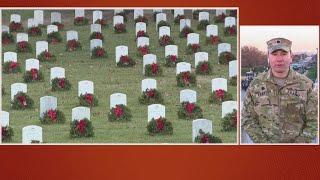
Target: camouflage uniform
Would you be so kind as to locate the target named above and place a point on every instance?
(275, 114)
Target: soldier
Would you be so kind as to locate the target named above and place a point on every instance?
(280, 106)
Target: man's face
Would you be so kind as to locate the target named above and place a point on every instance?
(280, 61)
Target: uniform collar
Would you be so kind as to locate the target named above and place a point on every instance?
(289, 79)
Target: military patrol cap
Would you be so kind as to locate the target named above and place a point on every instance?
(279, 44)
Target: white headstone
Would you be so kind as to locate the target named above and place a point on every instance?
(156, 111)
(229, 21)
(95, 28)
(184, 23)
(95, 43)
(157, 10)
(52, 28)
(220, 12)
(193, 38)
(57, 72)
(118, 99)
(96, 15)
(200, 57)
(177, 12)
(233, 68)
(55, 17)
(32, 64)
(32, 23)
(141, 26)
(31, 133)
(5, 28)
(47, 103)
(38, 16)
(171, 50)
(18, 87)
(183, 67)
(188, 95)
(10, 57)
(142, 41)
(79, 113)
(4, 119)
(117, 20)
(148, 84)
(164, 30)
(148, 59)
(72, 35)
(41, 46)
(161, 17)
(203, 124)
(228, 107)
(121, 51)
(211, 30)
(219, 83)
(78, 13)
(137, 13)
(203, 16)
(15, 18)
(224, 47)
(85, 87)
(22, 37)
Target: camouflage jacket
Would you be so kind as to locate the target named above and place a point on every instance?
(274, 114)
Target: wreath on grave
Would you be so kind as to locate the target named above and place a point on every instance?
(165, 40)
(126, 61)
(81, 128)
(206, 138)
(178, 18)
(46, 56)
(98, 52)
(230, 31)
(123, 14)
(220, 18)
(153, 69)
(186, 79)
(141, 19)
(96, 35)
(204, 68)
(233, 81)
(213, 40)
(73, 45)
(185, 31)
(60, 25)
(80, 21)
(159, 126)
(34, 31)
(162, 23)
(219, 96)
(34, 75)
(172, 60)
(54, 37)
(11, 67)
(15, 27)
(120, 113)
(23, 47)
(229, 121)
(226, 57)
(203, 24)
(151, 96)
(141, 34)
(7, 38)
(193, 48)
(22, 101)
(189, 110)
(53, 116)
(60, 84)
(120, 28)
(7, 133)
(88, 100)
(102, 22)
(143, 50)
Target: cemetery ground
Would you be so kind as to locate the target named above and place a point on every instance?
(109, 79)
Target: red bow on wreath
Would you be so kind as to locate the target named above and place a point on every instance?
(160, 124)
(186, 78)
(34, 74)
(150, 93)
(219, 94)
(125, 59)
(22, 101)
(204, 138)
(189, 107)
(143, 50)
(52, 114)
(89, 98)
(22, 45)
(13, 65)
(173, 58)
(118, 111)
(154, 68)
(214, 39)
(204, 67)
(47, 55)
(61, 82)
(81, 126)
(100, 52)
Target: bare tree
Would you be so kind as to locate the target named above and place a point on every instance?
(252, 57)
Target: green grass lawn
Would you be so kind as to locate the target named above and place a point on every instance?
(109, 79)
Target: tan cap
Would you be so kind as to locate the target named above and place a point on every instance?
(279, 44)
